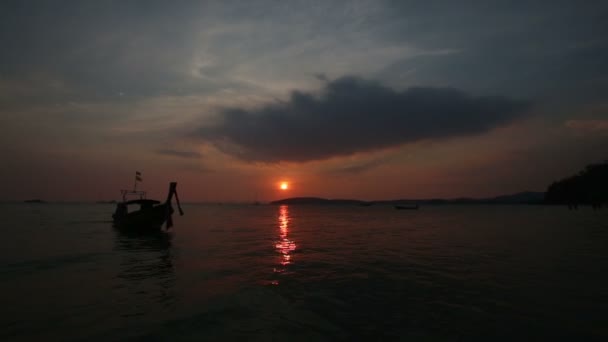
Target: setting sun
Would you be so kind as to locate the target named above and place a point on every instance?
(284, 186)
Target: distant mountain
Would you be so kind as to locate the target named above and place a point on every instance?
(39, 201)
(315, 200)
(527, 197)
(106, 202)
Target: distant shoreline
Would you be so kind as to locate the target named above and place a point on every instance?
(527, 197)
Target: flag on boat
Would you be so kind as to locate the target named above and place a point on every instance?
(138, 176)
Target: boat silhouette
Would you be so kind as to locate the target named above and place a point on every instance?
(150, 216)
(407, 207)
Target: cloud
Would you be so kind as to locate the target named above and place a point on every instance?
(180, 154)
(357, 168)
(588, 126)
(355, 115)
(359, 164)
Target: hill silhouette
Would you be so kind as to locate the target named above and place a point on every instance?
(527, 197)
(588, 187)
(315, 200)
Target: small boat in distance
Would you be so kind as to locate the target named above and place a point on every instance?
(151, 215)
(407, 207)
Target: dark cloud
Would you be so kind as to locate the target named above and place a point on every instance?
(180, 154)
(355, 115)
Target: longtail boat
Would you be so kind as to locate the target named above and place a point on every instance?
(151, 215)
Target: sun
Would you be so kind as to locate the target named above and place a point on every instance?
(284, 186)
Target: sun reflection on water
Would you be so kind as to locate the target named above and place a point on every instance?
(284, 245)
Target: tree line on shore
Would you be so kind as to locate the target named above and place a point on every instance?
(588, 187)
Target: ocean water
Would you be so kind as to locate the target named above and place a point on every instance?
(304, 273)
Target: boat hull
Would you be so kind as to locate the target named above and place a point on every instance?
(145, 219)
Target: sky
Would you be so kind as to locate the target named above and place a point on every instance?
(342, 99)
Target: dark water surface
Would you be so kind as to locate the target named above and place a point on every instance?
(263, 273)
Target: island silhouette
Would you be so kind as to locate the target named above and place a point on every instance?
(526, 197)
(588, 187)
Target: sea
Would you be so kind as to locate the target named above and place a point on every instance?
(306, 273)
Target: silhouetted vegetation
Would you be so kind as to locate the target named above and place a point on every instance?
(588, 187)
